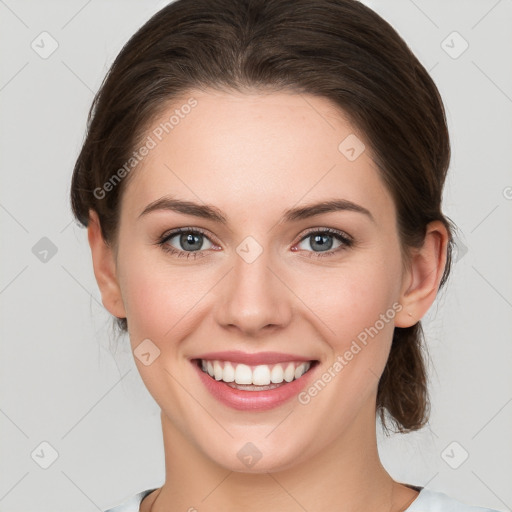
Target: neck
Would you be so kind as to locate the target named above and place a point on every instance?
(346, 475)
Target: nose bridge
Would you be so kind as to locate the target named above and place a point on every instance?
(253, 297)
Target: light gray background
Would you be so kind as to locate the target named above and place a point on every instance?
(60, 382)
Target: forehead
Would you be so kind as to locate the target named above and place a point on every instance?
(244, 152)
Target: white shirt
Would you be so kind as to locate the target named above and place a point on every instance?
(426, 501)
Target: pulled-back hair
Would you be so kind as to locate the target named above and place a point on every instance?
(337, 49)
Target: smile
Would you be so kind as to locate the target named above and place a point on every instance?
(253, 376)
(246, 386)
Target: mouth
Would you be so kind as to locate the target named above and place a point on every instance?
(254, 387)
(254, 377)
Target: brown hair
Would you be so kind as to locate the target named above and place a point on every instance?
(337, 49)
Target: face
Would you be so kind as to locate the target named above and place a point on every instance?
(260, 276)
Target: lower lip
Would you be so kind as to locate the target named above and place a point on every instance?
(253, 400)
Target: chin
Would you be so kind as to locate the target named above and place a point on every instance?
(261, 455)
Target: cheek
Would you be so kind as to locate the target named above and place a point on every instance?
(356, 307)
(156, 299)
(349, 300)
(159, 303)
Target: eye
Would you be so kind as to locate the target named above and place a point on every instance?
(321, 241)
(190, 242)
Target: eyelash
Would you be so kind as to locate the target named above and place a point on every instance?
(339, 235)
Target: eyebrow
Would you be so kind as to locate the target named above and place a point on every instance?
(212, 213)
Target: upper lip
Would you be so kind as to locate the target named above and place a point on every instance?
(253, 359)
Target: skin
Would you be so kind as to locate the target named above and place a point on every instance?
(253, 155)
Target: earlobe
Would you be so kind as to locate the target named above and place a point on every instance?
(424, 275)
(104, 268)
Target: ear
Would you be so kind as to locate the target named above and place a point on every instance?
(103, 260)
(422, 278)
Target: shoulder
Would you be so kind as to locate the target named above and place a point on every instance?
(435, 501)
(131, 504)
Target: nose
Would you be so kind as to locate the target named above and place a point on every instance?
(254, 297)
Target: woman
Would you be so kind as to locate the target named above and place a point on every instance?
(261, 182)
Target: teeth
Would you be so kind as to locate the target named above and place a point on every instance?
(289, 373)
(300, 371)
(277, 374)
(217, 370)
(261, 375)
(243, 374)
(228, 373)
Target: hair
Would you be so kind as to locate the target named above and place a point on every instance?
(336, 49)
